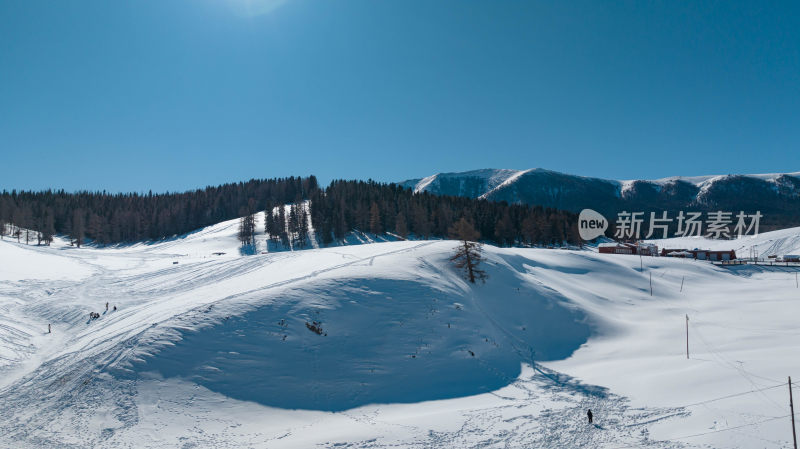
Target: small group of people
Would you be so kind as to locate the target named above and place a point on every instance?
(95, 315)
(92, 316)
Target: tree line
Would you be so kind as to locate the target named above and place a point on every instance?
(342, 207)
(379, 208)
(107, 218)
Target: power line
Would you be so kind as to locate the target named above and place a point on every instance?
(722, 359)
(758, 390)
(775, 418)
(707, 401)
(731, 428)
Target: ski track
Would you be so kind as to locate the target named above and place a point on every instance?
(518, 424)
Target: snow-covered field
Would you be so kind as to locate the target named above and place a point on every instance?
(215, 351)
(775, 243)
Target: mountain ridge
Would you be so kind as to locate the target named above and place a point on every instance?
(423, 184)
(775, 194)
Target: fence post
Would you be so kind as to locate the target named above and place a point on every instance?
(791, 410)
(687, 337)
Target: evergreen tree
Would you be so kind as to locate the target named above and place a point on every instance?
(3, 217)
(77, 231)
(504, 230)
(375, 226)
(530, 230)
(97, 229)
(302, 225)
(282, 226)
(48, 228)
(270, 226)
(340, 223)
(247, 228)
(293, 224)
(27, 222)
(422, 225)
(400, 227)
(18, 220)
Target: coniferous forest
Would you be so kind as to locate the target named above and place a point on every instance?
(342, 207)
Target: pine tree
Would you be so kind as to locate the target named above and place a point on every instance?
(468, 255)
(39, 235)
(530, 230)
(96, 228)
(375, 226)
(27, 222)
(293, 224)
(242, 235)
(3, 216)
(302, 225)
(247, 230)
(18, 221)
(269, 224)
(282, 226)
(48, 228)
(504, 230)
(77, 233)
(422, 225)
(400, 226)
(340, 222)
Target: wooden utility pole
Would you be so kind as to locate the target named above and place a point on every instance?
(687, 338)
(791, 410)
(651, 283)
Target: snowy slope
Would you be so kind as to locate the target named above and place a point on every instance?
(472, 184)
(773, 243)
(215, 351)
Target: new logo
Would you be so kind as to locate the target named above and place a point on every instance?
(591, 224)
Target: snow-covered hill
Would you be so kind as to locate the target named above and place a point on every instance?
(385, 345)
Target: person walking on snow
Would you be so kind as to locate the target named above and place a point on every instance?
(106, 307)
(48, 328)
(589, 415)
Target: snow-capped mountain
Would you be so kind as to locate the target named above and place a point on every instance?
(775, 194)
(472, 184)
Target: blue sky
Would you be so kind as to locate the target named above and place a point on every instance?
(173, 95)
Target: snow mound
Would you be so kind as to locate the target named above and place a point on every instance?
(388, 334)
